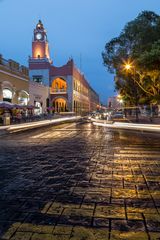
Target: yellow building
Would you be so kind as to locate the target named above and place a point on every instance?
(14, 82)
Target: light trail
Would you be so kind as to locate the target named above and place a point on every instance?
(130, 126)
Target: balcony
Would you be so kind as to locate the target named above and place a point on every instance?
(58, 90)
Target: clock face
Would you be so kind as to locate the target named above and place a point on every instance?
(38, 36)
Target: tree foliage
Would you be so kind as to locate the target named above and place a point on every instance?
(139, 44)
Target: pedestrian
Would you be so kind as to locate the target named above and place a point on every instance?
(19, 117)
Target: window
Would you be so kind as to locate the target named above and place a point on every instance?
(7, 95)
(37, 79)
(23, 98)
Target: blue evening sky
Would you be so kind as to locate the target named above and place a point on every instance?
(75, 28)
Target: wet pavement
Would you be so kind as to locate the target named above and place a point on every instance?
(79, 182)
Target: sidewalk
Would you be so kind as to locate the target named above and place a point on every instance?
(145, 120)
(33, 125)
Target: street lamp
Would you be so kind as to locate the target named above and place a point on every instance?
(129, 66)
(120, 100)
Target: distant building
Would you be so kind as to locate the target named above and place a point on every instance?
(114, 103)
(68, 88)
(14, 82)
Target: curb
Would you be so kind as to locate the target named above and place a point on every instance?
(35, 125)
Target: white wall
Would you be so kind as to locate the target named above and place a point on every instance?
(40, 72)
(38, 93)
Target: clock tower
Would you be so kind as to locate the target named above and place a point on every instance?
(40, 62)
(40, 47)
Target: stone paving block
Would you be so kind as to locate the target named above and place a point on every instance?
(75, 220)
(19, 216)
(134, 216)
(100, 222)
(144, 210)
(123, 193)
(11, 231)
(46, 207)
(128, 226)
(152, 217)
(42, 219)
(153, 226)
(78, 212)
(87, 206)
(22, 236)
(155, 194)
(154, 235)
(80, 233)
(28, 227)
(117, 201)
(110, 212)
(62, 230)
(37, 236)
(31, 206)
(117, 235)
(55, 208)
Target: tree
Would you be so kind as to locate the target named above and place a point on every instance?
(138, 44)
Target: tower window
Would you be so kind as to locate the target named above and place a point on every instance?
(37, 79)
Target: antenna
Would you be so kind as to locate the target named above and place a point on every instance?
(39, 17)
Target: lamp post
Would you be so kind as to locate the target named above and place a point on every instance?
(129, 66)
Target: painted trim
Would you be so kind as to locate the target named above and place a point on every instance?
(13, 75)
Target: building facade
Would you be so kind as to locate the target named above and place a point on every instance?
(68, 87)
(114, 102)
(38, 97)
(14, 82)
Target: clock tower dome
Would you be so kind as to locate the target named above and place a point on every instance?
(40, 46)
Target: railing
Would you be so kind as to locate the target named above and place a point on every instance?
(14, 66)
(58, 90)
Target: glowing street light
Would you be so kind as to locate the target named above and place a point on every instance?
(119, 98)
(121, 101)
(128, 66)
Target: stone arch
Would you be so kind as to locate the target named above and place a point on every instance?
(23, 97)
(59, 84)
(60, 104)
(8, 91)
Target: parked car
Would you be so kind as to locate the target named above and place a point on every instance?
(118, 115)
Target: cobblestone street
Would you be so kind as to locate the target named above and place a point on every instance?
(79, 182)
